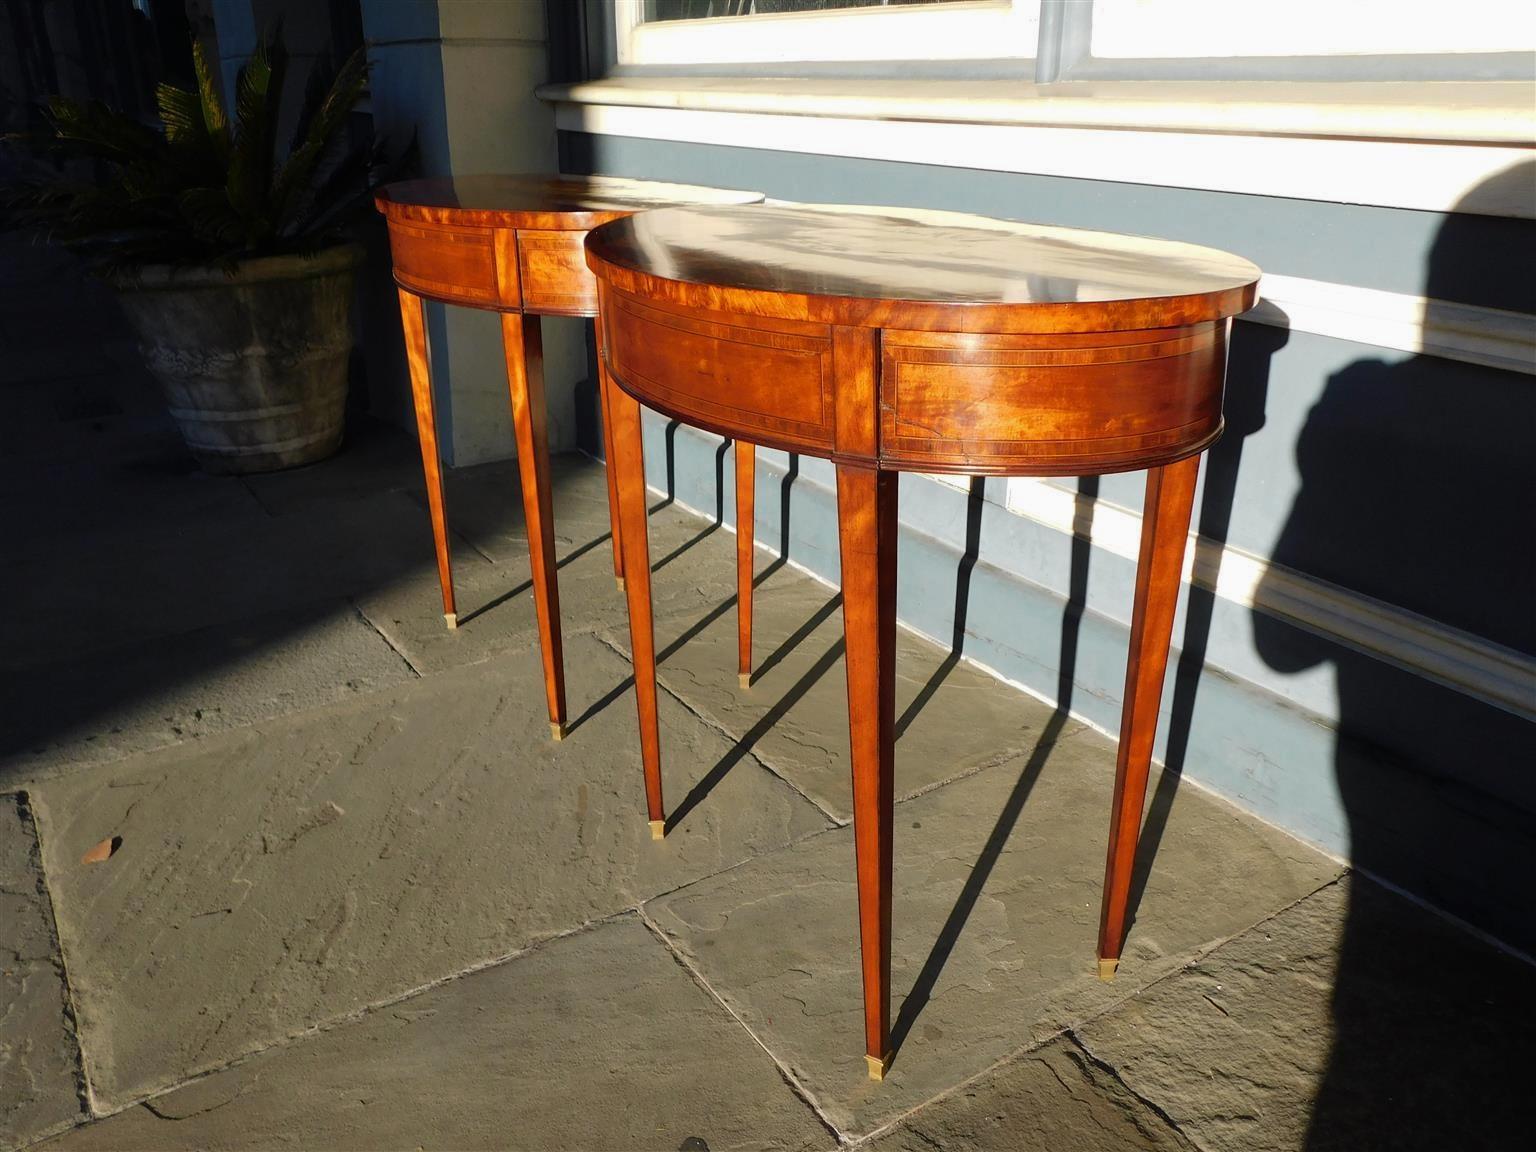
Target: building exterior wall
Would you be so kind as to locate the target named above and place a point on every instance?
(461, 76)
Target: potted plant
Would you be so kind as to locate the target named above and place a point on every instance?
(234, 266)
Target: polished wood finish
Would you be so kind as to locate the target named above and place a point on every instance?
(746, 510)
(775, 376)
(455, 265)
(605, 402)
(935, 272)
(549, 268)
(539, 202)
(413, 322)
(514, 245)
(866, 514)
(629, 463)
(1165, 520)
(1032, 404)
(889, 340)
(522, 339)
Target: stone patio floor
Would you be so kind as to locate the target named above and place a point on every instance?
(356, 898)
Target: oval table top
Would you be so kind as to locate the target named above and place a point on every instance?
(555, 203)
(939, 271)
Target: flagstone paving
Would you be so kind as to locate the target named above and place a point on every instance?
(285, 874)
(995, 917)
(1352, 1020)
(556, 1050)
(39, 1062)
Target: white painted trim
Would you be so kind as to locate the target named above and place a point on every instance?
(1474, 335)
(1429, 176)
(627, 16)
(982, 29)
(1461, 111)
(1469, 664)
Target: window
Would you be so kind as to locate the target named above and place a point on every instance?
(1206, 28)
(1092, 39)
(683, 32)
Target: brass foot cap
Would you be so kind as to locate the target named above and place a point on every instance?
(878, 1065)
(658, 829)
(1107, 968)
(744, 679)
(619, 580)
(557, 729)
(451, 619)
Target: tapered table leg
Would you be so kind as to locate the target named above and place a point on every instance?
(413, 321)
(866, 514)
(629, 461)
(746, 470)
(605, 387)
(1164, 530)
(524, 348)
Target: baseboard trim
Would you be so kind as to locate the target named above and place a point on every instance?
(1459, 660)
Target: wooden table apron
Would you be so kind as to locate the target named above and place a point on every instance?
(526, 261)
(881, 386)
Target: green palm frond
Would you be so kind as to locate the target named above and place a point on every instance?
(211, 217)
(321, 128)
(88, 128)
(182, 115)
(214, 120)
(258, 89)
(202, 187)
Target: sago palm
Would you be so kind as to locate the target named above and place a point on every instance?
(198, 188)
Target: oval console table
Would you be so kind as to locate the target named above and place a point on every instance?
(888, 341)
(513, 245)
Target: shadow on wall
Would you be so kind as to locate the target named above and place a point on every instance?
(1417, 481)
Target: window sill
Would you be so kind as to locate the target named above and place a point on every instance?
(1467, 112)
(1447, 146)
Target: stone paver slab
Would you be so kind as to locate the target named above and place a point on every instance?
(951, 717)
(374, 458)
(556, 1049)
(39, 1062)
(185, 687)
(1054, 1099)
(485, 505)
(72, 492)
(1354, 1020)
(89, 593)
(995, 918)
(292, 871)
(495, 597)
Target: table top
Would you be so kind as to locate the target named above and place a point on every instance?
(545, 202)
(941, 270)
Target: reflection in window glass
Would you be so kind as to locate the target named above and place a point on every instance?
(704, 9)
(1194, 28)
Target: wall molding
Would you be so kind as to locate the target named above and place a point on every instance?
(1459, 660)
(1491, 337)
(1427, 175)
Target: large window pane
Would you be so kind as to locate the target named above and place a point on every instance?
(1205, 28)
(688, 32)
(656, 10)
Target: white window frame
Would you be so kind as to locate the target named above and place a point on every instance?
(1186, 29)
(978, 29)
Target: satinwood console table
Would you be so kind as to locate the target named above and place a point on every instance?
(889, 341)
(513, 245)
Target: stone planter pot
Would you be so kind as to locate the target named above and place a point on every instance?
(254, 364)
